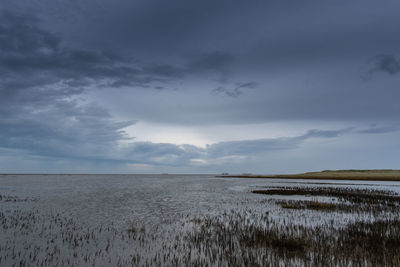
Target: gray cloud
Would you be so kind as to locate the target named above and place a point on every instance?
(63, 129)
(41, 92)
(237, 89)
(42, 110)
(386, 63)
(213, 61)
(374, 129)
(74, 74)
(90, 134)
(41, 58)
(326, 133)
(264, 145)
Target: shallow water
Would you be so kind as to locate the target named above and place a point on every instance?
(164, 204)
(151, 199)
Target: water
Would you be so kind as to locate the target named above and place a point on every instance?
(101, 199)
(151, 199)
(162, 204)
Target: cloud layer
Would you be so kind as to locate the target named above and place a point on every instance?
(76, 75)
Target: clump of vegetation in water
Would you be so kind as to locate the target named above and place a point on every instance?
(352, 195)
(312, 205)
(7, 198)
(233, 240)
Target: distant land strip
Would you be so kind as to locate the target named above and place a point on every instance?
(372, 175)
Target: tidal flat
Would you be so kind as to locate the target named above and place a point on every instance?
(196, 220)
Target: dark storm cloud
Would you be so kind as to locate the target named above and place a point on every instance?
(274, 60)
(237, 89)
(277, 44)
(213, 61)
(40, 58)
(43, 58)
(274, 33)
(41, 82)
(386, 63)
(161, 27)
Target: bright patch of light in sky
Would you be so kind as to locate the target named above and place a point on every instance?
(202, 136)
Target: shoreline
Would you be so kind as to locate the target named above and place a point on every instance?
(394, 179)
(358, 175)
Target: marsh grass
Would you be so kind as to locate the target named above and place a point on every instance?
(351, 195)
(313, 205)
(347, 200)
(360, 243)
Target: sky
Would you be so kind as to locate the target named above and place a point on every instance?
(211, 86)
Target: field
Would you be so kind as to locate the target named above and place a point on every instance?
(372, 175)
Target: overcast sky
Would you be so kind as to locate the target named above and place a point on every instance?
(181, 86)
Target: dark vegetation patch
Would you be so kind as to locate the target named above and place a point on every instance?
(313, 205)
(351, 195)
(337, 207)
(362, 243)
(7, 198)
(349, 200)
